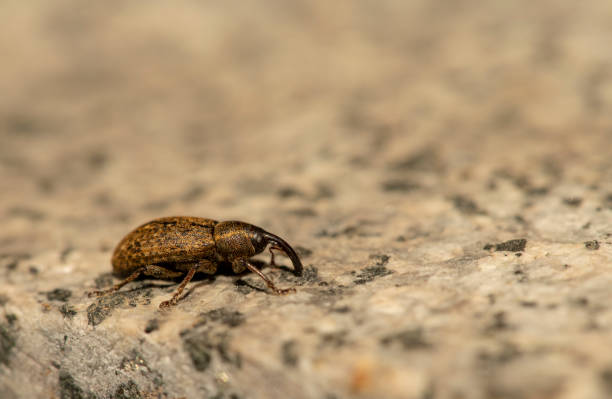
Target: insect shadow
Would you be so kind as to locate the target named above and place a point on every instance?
(203, 279)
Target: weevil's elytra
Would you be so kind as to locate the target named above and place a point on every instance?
(170, 247)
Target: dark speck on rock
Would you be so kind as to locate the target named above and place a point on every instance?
(27, 213)
(537, 191)
(286, 192)
(380, 259)
(426, 160)
(59, 294)
(407, 339)
(289, 353)
(360, 229)
(201, 343)
(323, 191)
(606, 379)
(335, 339)
(310, 274)
(521, 182)
(65, 253)
(67, 311)
(397, 185)
(192, 193)
(520, 219)
(7, 343)
(507, 353)
(12, 265)
(332, 291)
(592, 245)
(372, 272)
(573, 201)
(324, 233)
(199, 349)
(152, 325)
(69, 389)
(104, 306)
(225, 354)
(466, 205)
(223, 316)
(580, 301)
(517, 245)
(97, 159)
(45, 185)
(11, 318)
(499, 323)
(11, 261)
(303, 252)
(135, 362)
(128, 390)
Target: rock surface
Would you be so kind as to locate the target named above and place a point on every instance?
(444, 170)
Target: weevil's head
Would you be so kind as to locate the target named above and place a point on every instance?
(235, 240)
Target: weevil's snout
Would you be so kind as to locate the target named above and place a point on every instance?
(276, 240)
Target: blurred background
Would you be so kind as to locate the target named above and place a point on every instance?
(132, 105)
(312, 119)
(119, 109)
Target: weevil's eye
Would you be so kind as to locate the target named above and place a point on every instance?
(258, 241)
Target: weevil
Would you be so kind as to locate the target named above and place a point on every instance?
(170, 247)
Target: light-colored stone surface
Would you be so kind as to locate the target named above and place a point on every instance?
(389, 141)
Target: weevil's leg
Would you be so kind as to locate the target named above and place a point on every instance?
(161, 272)
(179, 290)
(272, 253)
(115, 287)
(150, 270)
(269, 283)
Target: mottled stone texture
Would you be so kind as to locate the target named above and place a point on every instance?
(444, 169)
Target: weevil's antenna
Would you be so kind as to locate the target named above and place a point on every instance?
(297, 264)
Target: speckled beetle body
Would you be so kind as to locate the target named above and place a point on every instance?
(169, 247)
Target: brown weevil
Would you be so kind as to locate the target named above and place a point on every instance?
(170, 247)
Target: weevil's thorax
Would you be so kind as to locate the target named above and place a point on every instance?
(235, 240)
